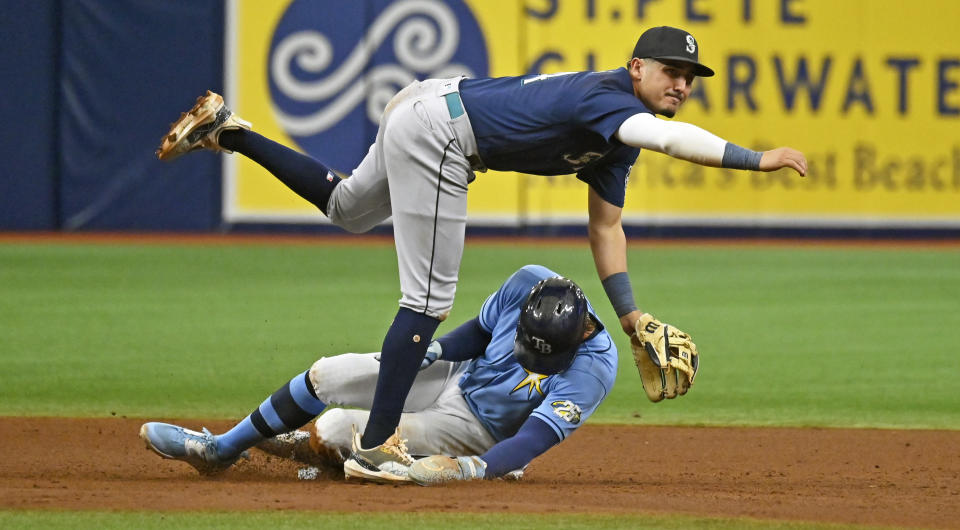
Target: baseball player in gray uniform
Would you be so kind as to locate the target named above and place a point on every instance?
(435, 134)
(503, 388)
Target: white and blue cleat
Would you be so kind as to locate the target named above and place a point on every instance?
(199, 449)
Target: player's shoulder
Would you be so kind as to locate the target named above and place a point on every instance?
(515, 289)
(527, 276)
(520, 282)
(616, 74)
(611, 89)
(598, 357)
(616, 79)
(591, 373)
(534, 272)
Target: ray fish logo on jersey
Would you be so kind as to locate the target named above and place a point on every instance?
(334, 65)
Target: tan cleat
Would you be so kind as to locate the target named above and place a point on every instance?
(200, 128)
(387, 463)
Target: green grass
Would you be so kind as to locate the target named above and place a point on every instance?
(419, 521)
(828, 337)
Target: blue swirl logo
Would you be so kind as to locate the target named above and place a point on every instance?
(334, 65)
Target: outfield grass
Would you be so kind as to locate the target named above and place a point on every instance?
(828, 337)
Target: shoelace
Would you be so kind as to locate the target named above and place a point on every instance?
(400, 449)
(201, 446)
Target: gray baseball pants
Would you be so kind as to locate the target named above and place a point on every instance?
(435, 420)
(417, 171)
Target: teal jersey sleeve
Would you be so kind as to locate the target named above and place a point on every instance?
(574, 395)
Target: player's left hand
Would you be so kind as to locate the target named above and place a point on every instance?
(439, 469)
(666, 358)
(782, 157)
(434, 351)
(629, 322)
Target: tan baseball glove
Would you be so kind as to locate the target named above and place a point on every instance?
(666, 358)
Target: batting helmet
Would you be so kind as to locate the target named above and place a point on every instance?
(551, 327)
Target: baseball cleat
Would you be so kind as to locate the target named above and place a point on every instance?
(387, 463)
(200, 128)
(516, 474)
(302, 446)
(199, 449)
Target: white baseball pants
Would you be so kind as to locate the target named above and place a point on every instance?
(418, 172)
(436, 419)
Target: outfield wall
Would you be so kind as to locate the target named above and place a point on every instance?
(869, 91)
(88, 89)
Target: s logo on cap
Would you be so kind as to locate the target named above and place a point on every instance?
(691, 44)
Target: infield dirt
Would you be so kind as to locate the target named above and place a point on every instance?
(887, 477)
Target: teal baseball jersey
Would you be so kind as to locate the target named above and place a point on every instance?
(502, 394)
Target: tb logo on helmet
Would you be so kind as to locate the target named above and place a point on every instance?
(551, 326)
(334, 65)
(541, 345)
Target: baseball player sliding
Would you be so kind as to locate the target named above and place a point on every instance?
(506, 386)
(434, 134)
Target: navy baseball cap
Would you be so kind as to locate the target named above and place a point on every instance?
(674, 44)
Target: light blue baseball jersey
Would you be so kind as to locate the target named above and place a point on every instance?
(556, 124)
(502, 395)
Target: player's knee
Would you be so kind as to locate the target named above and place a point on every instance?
(353, 227)
(339, 215)
(416, 303)
(334, 428)
(318, 376)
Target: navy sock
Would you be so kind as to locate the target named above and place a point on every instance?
(306, 176)
(292, 406)
(403, 350)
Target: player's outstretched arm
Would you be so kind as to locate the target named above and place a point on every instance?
(609, 246)
(689, 142)
(533, 439)
(467, 341)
